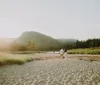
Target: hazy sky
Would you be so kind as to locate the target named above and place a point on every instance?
(79, 19)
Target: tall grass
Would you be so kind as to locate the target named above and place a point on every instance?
(84, 51)
(13, 59)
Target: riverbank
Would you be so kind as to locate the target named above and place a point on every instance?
(52, 72)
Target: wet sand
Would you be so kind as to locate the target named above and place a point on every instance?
(51, 72)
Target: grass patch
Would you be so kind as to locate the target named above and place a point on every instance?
(84, 51)
(13, 59)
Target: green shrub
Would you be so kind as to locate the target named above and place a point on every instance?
(13, 59)
(84, 51)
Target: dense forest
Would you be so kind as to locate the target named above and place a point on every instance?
(90, 43)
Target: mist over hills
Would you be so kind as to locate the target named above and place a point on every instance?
(66, 41)
(41, 41)
(5, 43)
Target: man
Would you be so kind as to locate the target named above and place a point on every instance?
(65, 50)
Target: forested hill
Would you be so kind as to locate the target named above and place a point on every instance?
(31, 40)
(40, 40)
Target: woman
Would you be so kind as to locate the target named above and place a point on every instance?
(62, 53)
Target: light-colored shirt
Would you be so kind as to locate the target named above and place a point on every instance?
(61, 51)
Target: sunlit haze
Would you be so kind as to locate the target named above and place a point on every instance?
(79, 19)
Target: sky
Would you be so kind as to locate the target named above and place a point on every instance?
(79, 19)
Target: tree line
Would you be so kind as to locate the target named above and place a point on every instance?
(90, 43)
(20, 47)
(31, 45)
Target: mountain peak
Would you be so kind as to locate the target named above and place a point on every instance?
(41, 41)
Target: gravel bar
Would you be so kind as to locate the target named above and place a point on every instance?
(51, 72)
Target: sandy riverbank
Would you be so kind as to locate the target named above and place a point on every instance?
(52, 72)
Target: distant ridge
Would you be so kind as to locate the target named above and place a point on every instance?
(65, 41)
(42, 41)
